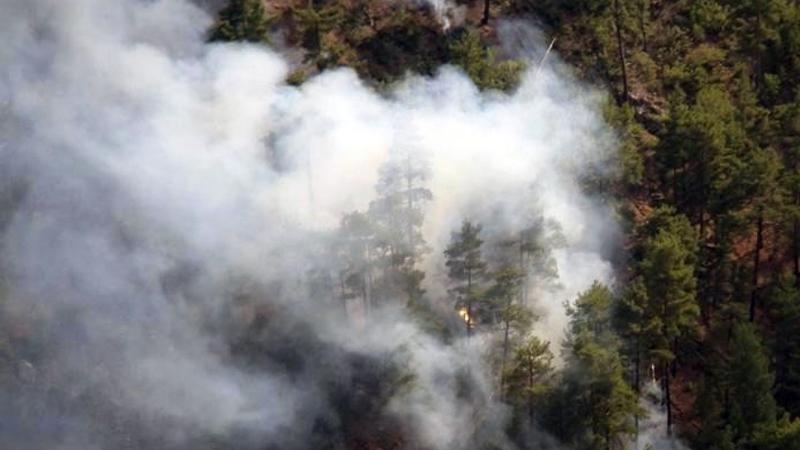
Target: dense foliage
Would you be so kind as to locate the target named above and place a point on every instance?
(706, 102)
(704, 97)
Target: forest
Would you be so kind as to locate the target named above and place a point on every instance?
(400, 224)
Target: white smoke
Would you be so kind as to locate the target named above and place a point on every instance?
(150, 159)
(652, 433)
(448, 13)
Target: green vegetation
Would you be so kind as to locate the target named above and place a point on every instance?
(242, 20)
(706, 102)
(705, 99)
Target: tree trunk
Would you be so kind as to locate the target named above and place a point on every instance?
(621, 51)
(637, 372)
(704, 275)
(368, 283)
(343, 294)
(364, 296)
(637, 363)
(410, 209)
(503, 362)
(469, 303)
(524, 291)
(643, 13)
(756, 264)
(674, 362)
(796, 235)
(715, 292)
(796, 246)
(702, 223)
(685, 206)
(485, 18)
(668, 399)
(411, 253)
(592, 402)
(674, 185)
(758, 59)
(530, 389)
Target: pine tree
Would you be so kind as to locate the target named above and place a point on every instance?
(513, 317)
(485, 17)
(242, 20)
(668, 275)
(788, 118)
(402, 197)
(398, 214)
(751, 404)
(356, 242)
(469, 53)
(757, 183)
(758, 25)
(708, 412)
(725, 441)
(635, 325)
(536, 244)
(617, 12)
(784, 315)
(591, 316)
(313, 23)
(530, 250)
(782, 435)
(528, 373)
(595, 377)
(700, 153)
(466, 269)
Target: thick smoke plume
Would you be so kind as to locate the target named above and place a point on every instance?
(165, 191)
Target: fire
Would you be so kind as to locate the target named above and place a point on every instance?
(464, 314)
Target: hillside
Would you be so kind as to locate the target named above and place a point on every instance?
(705, 101)
(373, 224)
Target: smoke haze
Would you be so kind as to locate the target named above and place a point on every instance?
(165, 191)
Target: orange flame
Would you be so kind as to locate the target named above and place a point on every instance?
(464, 314)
